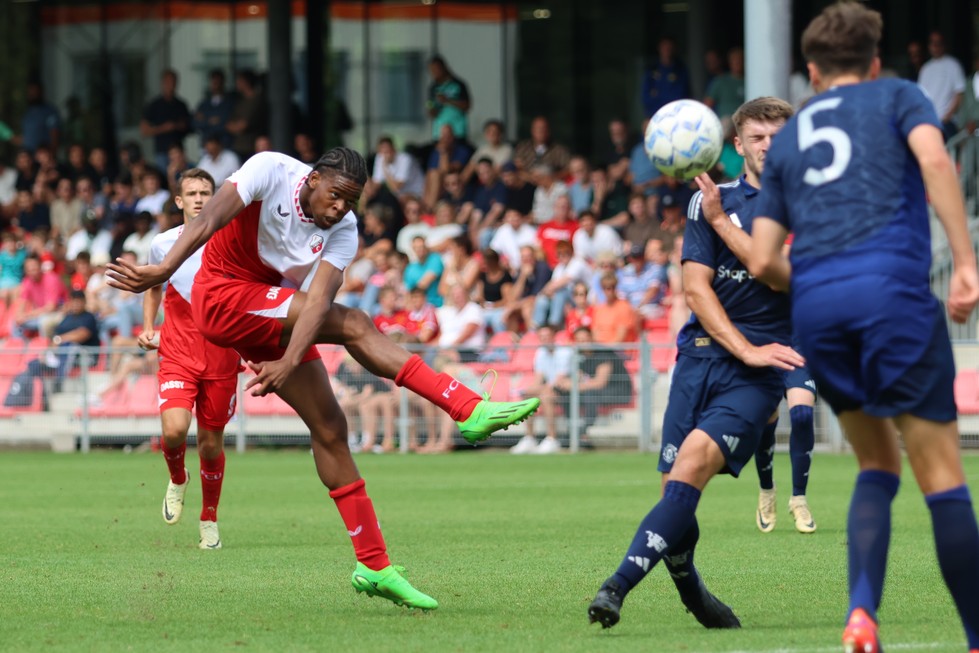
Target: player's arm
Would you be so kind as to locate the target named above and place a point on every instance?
(767, 262)
(218, 212)
(703, 301)
(151, 306)
(736, 238)
(945, 195)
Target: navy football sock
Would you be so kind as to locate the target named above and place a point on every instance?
(801, 442)
(679, 559)
(868, 533)
(957, 545)
(665, 525)
(765, 455)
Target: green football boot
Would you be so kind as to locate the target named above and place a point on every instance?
(389, 584)
(492, 416)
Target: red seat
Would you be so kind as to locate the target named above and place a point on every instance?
(663, 358)
(967, 392)
(36, 405)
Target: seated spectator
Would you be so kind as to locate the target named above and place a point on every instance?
(604, 379)
(556, 293)
(610, 198)
(103, 172)
(642, 223)
(445, 228)
(679, 311)
(66, 210)
(614, 320)
(673, 205)
(580, 189)
(415, 225)
(593, 238)
(643, 175)
(463, 326)
(379, 231)
(488, 201)
(513, 235)
(642, 282)
(618, 149)
(460, 266)
(539, 149)
(177, 165)
(138, 242)
(81, 271)
(494, 291)
(42, 294)
(217, 160)
(391, 320)
(423, 324)
(560, 228)
(355, 277)
(549, 189)
(552, 365)
(119, 312)
(385, 275)
(304, 149)
(12, 256)
(30, 215)
(93, 201)
(154, 194)
(494, 148)
(396, 171)
(458, 195)
(448, 155)
(122, 206)
(531, 277)
(519, 191)
(581, 311)
(362, 394)
(425, 271)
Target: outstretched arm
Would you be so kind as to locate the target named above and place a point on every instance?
(217, 213)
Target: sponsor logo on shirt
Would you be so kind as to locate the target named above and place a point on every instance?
(738, 275)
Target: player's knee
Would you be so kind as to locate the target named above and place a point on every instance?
(331, 431)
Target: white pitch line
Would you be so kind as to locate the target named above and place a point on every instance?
(836, 649)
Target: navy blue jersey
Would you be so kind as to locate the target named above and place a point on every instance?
(841, 177)
(759, 313)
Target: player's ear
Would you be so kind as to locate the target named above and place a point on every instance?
(737, 145)
(179, 201)
(874, 71)
(313, 179)
(815, 79)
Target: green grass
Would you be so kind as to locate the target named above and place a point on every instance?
(513, 548)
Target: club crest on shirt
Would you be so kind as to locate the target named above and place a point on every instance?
(316, 243)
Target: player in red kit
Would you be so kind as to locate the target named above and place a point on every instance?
(279, 235)
(192, 371)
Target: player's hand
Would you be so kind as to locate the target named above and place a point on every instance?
(963, 293)
(135, 278)
(773, 355)
(269, 376)
(710, 201)
(148, 340)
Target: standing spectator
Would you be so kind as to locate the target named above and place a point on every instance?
(551, 300)
(540, 149)
(463, 326)
(449, 155)
(424, 272)
(166, 118)
(512, 235)
(42, 293)
(915, 60)
(943, 82)
(41, 125)
(665, 81)
(548, 189)
(12, 256)
(561, 227)
(66, 211)
(642, 282)
(726, 93)
(493, 148)
(968, 116)
(249, 117)
(214, 111)
(448, 101)
(519, 192)
(552, 365)
(593, 238)
(217, 161)
(614, 319)
(305, 149)
(713, 65)
(399, 172)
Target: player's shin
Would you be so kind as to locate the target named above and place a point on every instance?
(868, 537)
(357, 511)
(801, 443)
(212, 478)
(679, 559)
(957, 546)
(439, 388)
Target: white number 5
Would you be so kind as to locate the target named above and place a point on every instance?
(836, 137)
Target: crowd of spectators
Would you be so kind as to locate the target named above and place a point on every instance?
(461, 242)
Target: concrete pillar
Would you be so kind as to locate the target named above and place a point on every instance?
(767, 47)
(279, 89)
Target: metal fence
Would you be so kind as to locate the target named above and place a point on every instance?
(108, 397)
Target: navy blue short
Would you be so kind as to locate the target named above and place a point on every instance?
(800, 377)
(885, 350)
(726, 399)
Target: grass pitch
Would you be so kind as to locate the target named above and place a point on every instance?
(513, 548)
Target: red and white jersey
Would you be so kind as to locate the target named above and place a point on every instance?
(272, 241)
(181, 342)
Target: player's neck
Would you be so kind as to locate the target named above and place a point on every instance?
(753, 180)
(849, 79)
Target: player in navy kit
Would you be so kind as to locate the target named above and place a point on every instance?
(727, 383)
(848, 176)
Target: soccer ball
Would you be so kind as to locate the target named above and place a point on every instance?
(684, 139)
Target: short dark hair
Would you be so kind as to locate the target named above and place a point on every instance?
(843, 39)
(195, 173)
(345, 162)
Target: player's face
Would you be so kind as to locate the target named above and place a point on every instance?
(753, 143)
(331, 196)
(194, 194)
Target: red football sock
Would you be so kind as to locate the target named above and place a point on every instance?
(357, 512)
(175, 462)
(439, 388)
(212, 476)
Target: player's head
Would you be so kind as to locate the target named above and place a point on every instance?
(842, 40)
(756, 122)
(196, 189)
(334, 186)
